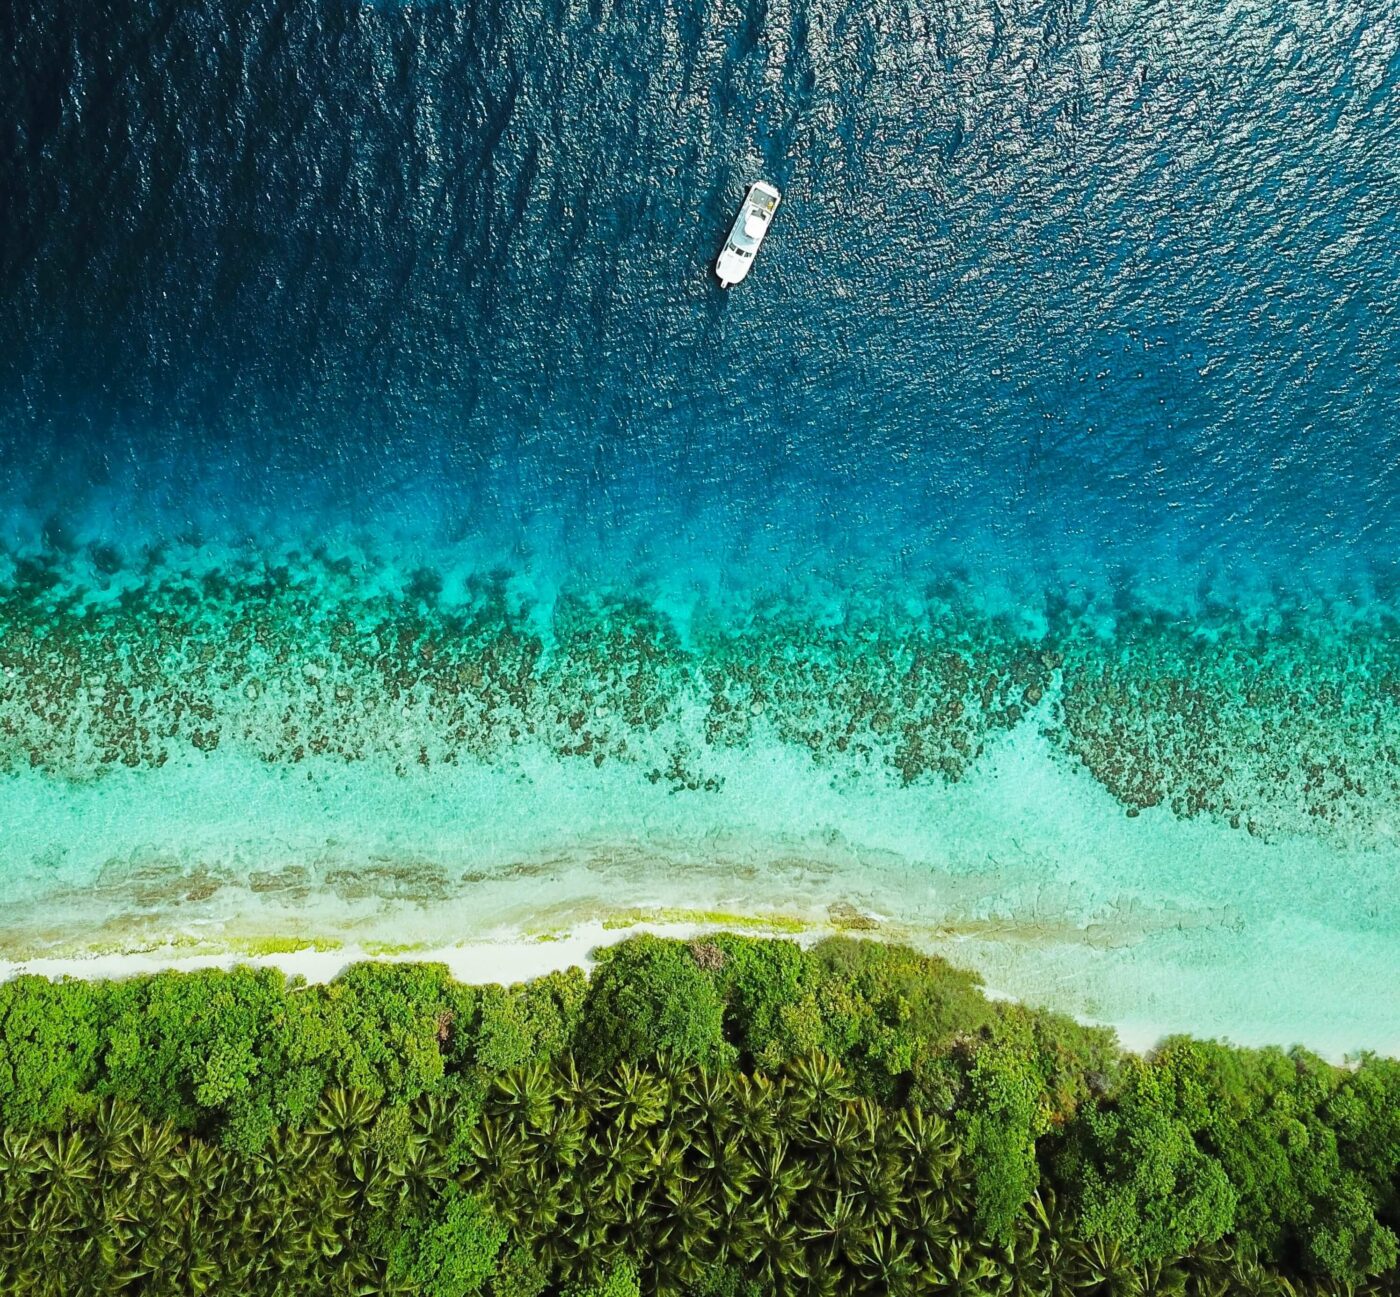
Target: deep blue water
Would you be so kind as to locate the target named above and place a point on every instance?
(1095, 292)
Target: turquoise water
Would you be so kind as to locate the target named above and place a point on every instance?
(403, 537)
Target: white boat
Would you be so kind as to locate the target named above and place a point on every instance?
(752, 223)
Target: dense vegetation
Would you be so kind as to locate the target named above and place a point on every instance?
(728, 1118)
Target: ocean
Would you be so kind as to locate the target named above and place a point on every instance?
(403, 538)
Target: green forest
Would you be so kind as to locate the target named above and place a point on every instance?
(728, 1117)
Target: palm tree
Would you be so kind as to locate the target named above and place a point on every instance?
(832, 1139)
(777, 1178)
(431, 1115)
(370, 1182)
(20, 1163)
(1103, 1268)
(344, 1117)
(539, 1203)
(1021, 1264)
(1161, 1279)
(886, 1266)
(624, 1157)
(876, 1183)
(704, 1100)
(684, 1220)
(925, 1146)
(560, 1140)
(1055, 1243)
(838, 1229)
(201, 1174)
(675, 1270)
(282, 1162)
(620, 1224)
(685, 1208)
(818, 1084)
(1211, 1270)
(870, 1123)
(823, 1281)
(527, 1094)
(422, 1172)
(722, 1164)
(555, 1253)
(773, 1247)
(756, 1104)
(633, 1098)
(67, 1168)
(592, 1237)
(113, 1122)
(575, 1091)
(185, 1264)
(373, 1284)
(498, 1149)
(960, 1272)
(928, 1218)
(145, 1159)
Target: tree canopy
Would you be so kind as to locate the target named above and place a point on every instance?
(728, 1117)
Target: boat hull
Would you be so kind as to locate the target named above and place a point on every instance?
(747, 233)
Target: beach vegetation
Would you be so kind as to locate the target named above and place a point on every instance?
(771, 922)
(49, 1043)
(450, 1253)
(648, 996)
(282, 945)
(724, 1117)
(1138, 1175)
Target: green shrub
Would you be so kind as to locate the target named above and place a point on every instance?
(49, 1040)
(1138, 1177)
(212, 1050)
(999, 1121)
(769, 989)
(518, 1024)
(620, 1281)
(1364, 1110)
(647, 996)
(1344, 1240)
(390, 1024)
(453, 1252)
(520, 1273)
(892, 1014)
(1071, 1062)
(724, 1281)
(1309, 1148)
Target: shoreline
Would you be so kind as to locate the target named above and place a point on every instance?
(505, 960)
(513, 958)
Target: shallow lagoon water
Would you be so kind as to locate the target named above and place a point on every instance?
(403, 534)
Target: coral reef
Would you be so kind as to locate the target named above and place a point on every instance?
(1288, 725)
